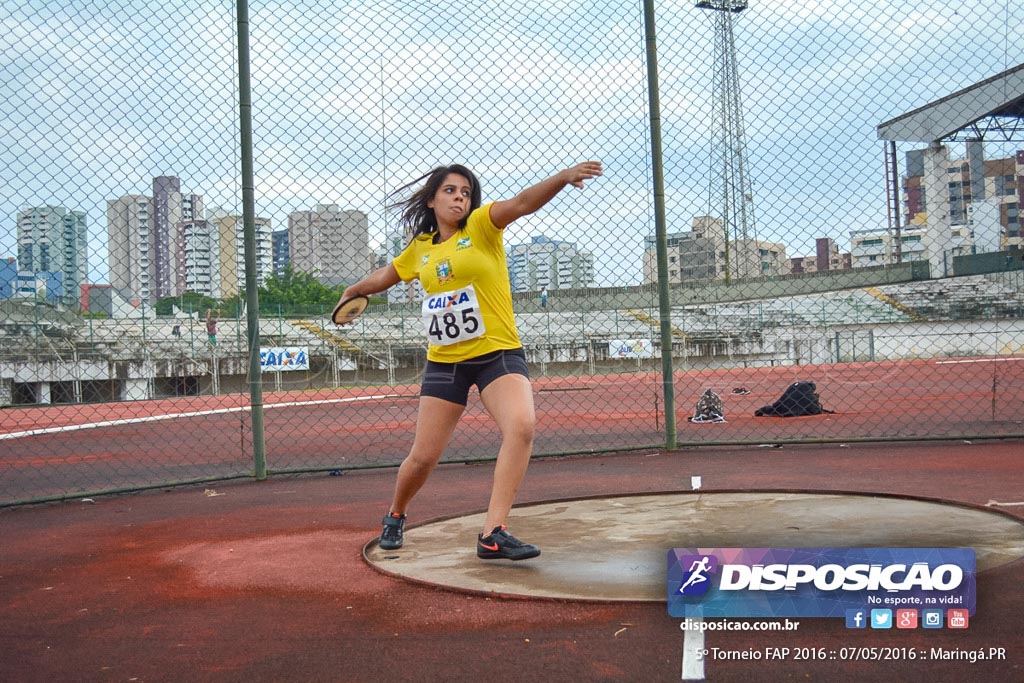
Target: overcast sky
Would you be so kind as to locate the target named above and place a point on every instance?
(352, 100)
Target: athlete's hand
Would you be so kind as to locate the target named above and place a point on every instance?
(588, 170)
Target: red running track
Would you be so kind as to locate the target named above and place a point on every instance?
(63, 450)
(146, 587)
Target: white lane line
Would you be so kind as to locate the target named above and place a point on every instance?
(199, 413)
(693, 655)
(978, 360)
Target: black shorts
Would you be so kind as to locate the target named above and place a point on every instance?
(451, 381)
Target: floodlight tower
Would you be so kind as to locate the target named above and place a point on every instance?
(730, 182)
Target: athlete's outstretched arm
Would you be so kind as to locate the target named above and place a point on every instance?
(532, 198)
(375, 282)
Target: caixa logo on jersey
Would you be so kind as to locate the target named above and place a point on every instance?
(816, 582)
(447, 300)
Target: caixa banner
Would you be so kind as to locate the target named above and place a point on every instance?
(816, 582)
(282, 358)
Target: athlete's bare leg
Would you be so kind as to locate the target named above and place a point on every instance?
(509, 401)
(435, 424)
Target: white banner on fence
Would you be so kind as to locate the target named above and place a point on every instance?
(279, 358)
(631, 348)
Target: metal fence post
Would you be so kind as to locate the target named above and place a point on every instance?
(657, 169)
(249, 226)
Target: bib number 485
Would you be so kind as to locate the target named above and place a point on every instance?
(448, 327)
(453, 317)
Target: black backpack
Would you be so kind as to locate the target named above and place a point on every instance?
(797, 400)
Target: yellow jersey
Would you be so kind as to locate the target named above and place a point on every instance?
(468, 308)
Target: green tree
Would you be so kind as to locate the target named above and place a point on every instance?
(232, 306)
(296, 290)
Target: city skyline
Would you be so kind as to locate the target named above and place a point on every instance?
(351, 107)
(188, 203)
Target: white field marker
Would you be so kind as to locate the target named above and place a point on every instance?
(693, 651)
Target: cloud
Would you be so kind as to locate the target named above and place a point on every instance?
(350, 103)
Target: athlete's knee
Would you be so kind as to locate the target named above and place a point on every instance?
(520, 430)
(423, 457)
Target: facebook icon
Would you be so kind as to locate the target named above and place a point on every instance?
(856, 618)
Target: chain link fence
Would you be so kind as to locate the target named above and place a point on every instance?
(800, 243)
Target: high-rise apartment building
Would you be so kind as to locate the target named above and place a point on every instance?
(197, 249)
(826, 257)
(229, 270)
(129, 225)
(144, 241)
(280, 251)
(703, 254)
(877, 247)
(8, 276)
(395, 242)
(166, 212)
(545, 263)
(53, 239)
(191, 210)
(170, 209)
(330, 244)
(971, 182)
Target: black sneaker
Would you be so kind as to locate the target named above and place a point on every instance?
(501, 545)
(391, 536)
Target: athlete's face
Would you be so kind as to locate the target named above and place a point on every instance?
(451, 202)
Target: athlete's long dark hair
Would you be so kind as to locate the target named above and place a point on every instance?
(415, 215)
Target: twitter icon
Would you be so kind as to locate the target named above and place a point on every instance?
(881, 618)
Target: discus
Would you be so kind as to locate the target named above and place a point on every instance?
(349, 309)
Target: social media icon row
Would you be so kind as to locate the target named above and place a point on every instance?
(906, 618)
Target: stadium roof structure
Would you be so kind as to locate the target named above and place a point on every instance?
(991, 109)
